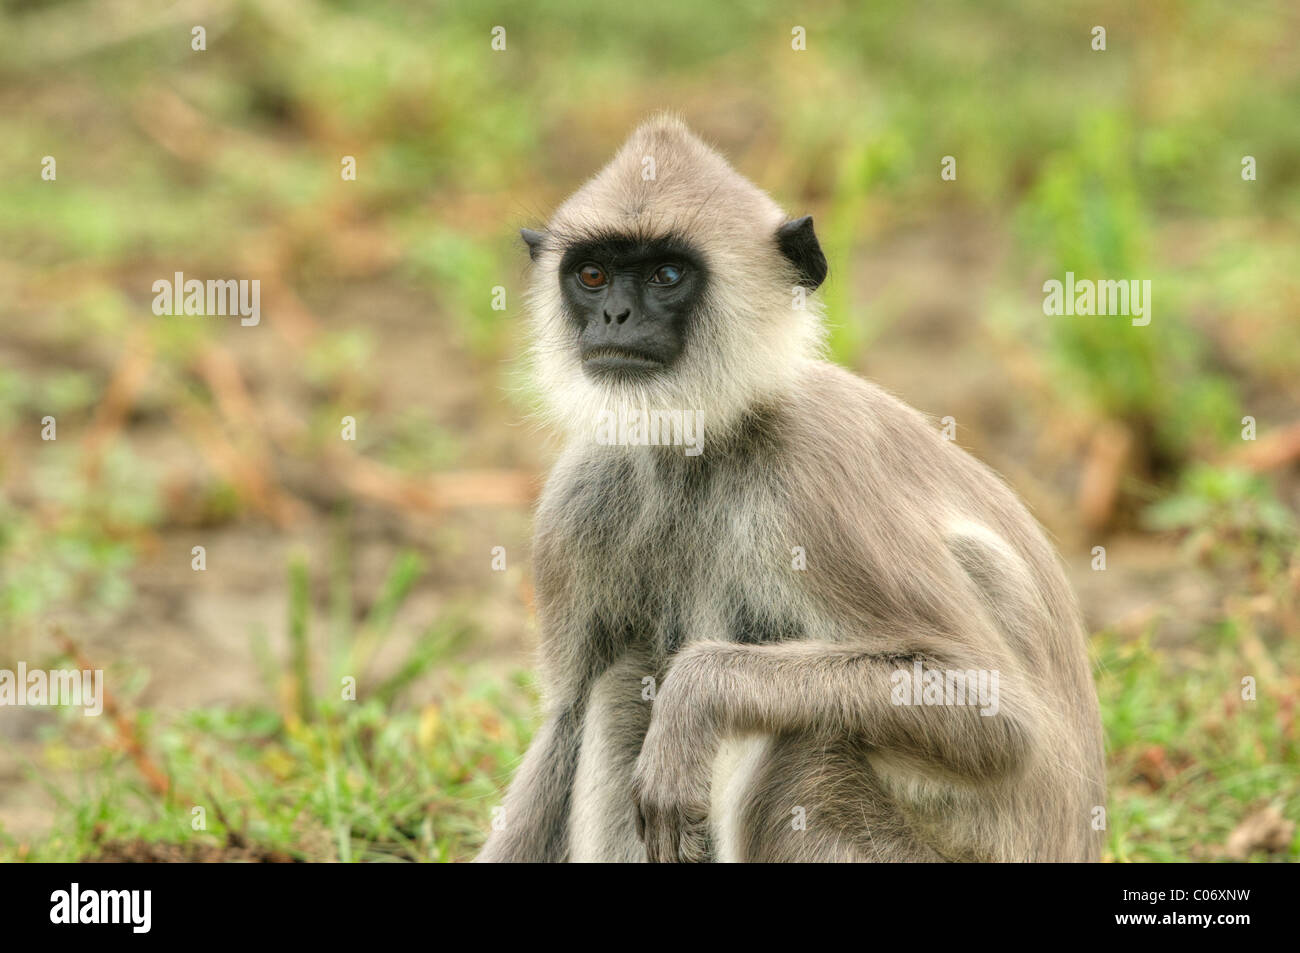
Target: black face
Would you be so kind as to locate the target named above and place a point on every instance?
(631, 301)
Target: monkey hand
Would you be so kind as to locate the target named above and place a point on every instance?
(671, 785)
(671, 818)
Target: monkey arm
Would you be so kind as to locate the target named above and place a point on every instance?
(716, 689)
(534, 824)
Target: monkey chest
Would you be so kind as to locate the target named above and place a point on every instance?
(648, 572)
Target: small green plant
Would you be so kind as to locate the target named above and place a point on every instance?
(1223, 510)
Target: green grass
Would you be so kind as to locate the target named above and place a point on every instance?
(391, 775)
(1188, 758)
(355, 783)
(379, 779)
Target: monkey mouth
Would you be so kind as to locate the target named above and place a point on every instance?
(620, 362)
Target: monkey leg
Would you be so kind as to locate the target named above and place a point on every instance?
(534, 826)
(796, 798)
(603, 819)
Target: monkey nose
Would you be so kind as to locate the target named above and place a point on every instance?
(618, 318)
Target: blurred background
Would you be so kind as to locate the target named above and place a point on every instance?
(326, 559)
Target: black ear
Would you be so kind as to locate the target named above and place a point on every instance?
(799, 244)
(533, 240)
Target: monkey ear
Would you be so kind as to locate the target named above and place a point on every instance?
(533, 240)
(799, 244)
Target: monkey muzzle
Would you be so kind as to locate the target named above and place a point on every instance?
(618, 361)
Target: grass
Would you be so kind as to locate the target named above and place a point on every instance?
(356, 783)
(313, 773)
(385, 779)
(1187, 757)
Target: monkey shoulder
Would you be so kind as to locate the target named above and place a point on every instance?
(853, 440)
(871, 483)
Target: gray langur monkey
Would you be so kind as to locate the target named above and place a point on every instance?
(782, 619)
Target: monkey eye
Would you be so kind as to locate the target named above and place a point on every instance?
(666, 275)
(592, 276)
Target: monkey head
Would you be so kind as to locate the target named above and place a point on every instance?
(669, 281)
